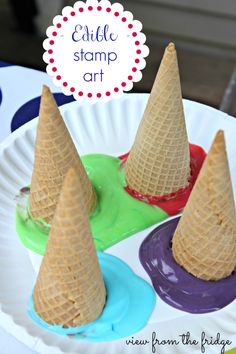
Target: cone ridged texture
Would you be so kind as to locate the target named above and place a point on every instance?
(159, 161)
(69, 290)
(204, 242)
(55, 153)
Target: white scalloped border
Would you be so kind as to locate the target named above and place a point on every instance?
(134, 27)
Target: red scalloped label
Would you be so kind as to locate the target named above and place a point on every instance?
(95, 50)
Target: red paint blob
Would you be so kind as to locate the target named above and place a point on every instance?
(174, 202)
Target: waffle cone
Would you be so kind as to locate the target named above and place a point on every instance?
(159, 161)
(55, 153)
(69, 290)
(204, 242)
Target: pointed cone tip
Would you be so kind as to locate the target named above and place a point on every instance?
(171, 47)
(71, 174)
(47, 98)
(46, 90)
(220, 137)
(71, 178)
(47, 101)
(218, 146)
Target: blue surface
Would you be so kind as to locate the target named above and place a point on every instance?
(30, 109)
(129, 304)
(3, 64)
(0, 96)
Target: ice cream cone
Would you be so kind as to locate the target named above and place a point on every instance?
(159, 161)
(204, 242)
(69, 290)
(55, 153)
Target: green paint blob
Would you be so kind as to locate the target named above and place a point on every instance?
(232, 351)
(116, 217)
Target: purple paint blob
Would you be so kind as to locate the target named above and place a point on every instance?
(175, 285)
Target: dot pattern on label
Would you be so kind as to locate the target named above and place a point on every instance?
(59, 26)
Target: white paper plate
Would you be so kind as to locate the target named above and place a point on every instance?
(101, 128)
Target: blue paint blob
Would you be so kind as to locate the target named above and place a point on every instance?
(3, 64)
(30, 109)
(0, 96)
(129, 304)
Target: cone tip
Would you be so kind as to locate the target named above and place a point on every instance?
(218, 144)
(71, 177)
(171, 47)
(71, 172)
(48, 101)
(219, 138)
(46, 90)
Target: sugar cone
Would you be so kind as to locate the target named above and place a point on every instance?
(69, 290)
(159, 161)
(55, 153)
(204, 242)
